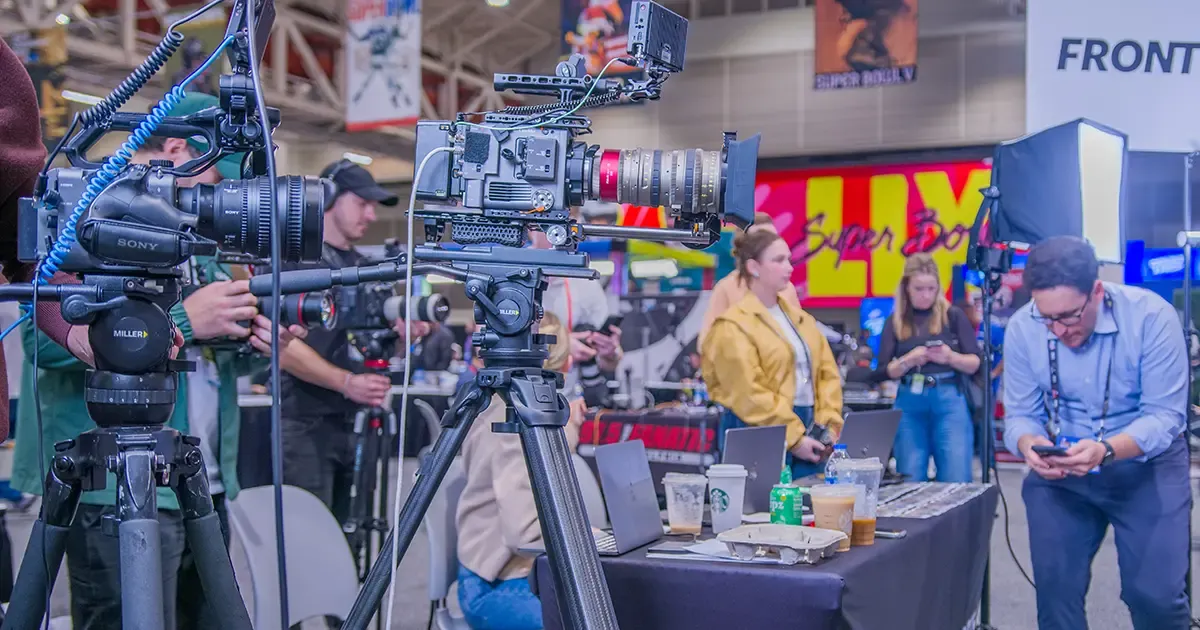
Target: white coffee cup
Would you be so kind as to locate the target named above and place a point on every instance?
(726, 495)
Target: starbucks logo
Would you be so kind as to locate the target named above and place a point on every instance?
(719, 500)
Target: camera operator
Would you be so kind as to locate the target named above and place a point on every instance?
(581, 305)
(206, 408)
(1100, 371)
(321, 391)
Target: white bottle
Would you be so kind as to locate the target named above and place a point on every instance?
(839, 454)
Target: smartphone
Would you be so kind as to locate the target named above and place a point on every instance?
(933, 343)
(1044, 450)
(614, 321)
(891, 533)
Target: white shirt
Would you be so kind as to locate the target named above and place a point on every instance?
(804, 389)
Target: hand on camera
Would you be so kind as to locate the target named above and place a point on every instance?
(260, 337)
(1040, 466)
(367, 389)
(809, 450)
(215, 310)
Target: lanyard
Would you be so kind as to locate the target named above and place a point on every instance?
(1055, 391)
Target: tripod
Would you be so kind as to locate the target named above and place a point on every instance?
(507, 284)
(130, 396)
(375, 429)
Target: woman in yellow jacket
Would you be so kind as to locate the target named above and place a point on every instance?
(766, 361)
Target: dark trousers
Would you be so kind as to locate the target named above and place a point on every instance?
(1148, 505)
(318, 456)
(94, 565)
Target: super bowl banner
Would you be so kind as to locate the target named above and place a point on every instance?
(865, 43)
(596, 29)
(850, 229)
(1132, 66)
(383, 63)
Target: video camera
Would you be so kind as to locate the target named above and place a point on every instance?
(522, 167)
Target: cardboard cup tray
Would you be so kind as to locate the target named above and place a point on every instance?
(792, 544)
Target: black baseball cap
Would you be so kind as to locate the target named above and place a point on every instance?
(350, 177)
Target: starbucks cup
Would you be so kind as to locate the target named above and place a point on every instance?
(726, 495)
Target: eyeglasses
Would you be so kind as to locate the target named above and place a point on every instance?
(1065, 319)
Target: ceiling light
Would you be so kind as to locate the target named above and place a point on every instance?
(80, 97)
(497, 3)
(358, 158)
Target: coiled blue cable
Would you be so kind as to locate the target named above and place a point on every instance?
(106, 174)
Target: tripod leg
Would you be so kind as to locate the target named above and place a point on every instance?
(355, 526)
(202, 526)
(141, 545)
(387, 433)
(471, 400)
(579, 582)
(47, 544)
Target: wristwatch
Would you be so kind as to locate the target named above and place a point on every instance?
(1109, 454)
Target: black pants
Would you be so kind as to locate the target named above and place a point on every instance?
(94, 565)
(318, 456)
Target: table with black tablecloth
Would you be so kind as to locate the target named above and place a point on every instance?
(930, 580)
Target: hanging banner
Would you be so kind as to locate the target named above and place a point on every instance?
(597, 30)
(850, 229)
(1137, 71)
(865, 43)
(383, 63)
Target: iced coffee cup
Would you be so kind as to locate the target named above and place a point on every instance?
(865, 475)
(833, 508)
(726, 495)
(685, 502)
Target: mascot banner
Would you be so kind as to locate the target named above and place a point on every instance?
(596, 29)
(865, 43)
(851, 228)
(383, 63)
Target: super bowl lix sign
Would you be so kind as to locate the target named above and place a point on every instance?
(1131, 66)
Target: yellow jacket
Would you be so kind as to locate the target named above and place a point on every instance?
(750, 368)
(729, 291)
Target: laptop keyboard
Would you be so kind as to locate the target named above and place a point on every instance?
(605, 542)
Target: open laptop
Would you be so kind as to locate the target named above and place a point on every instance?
(871, 433)
(760, 450)
(628, 497)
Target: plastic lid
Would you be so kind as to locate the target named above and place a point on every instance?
(839, 447)
(869, 463)
(727, 470)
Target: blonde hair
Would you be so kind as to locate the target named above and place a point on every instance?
(559, 351)
(902, 316)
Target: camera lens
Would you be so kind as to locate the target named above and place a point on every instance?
(235, 213)
(309, 310)
(427, 308)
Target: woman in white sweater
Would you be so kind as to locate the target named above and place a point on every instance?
(497, 514)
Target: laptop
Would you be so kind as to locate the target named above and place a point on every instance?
(871, 433)
(629, 498)
(760, 450)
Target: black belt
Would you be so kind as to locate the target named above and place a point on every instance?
(930, 379)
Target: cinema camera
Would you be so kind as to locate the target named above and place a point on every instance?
(124, 229)
(491, 177)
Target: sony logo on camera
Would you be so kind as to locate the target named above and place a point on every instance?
(1128, 55)
(132, 244)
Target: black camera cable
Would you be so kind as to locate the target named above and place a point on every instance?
(276, 300)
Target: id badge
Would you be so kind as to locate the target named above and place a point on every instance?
(1068, 442)
(918, 386)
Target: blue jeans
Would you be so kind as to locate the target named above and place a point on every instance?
(499, 605)
(935, 422)
(799, 468)
(1148, 505)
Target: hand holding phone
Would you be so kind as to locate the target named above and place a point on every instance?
(1049, 450)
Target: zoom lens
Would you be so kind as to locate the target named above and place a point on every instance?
(427, 308)
(309, 310)
(235, 213)
(698, 186)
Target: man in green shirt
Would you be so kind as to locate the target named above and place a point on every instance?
(206, 407)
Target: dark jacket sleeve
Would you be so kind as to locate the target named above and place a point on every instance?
(21, 154)
(887, 352)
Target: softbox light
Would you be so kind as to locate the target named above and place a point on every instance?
(1067, 180)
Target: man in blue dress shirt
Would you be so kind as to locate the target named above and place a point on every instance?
(1100, 370)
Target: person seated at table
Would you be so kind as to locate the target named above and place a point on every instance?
(732, 288)
(766, 361)
(497, 515)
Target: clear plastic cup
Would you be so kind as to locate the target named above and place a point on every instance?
(833, 508)
(726, 495)
(865, 475)
(685, 502)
